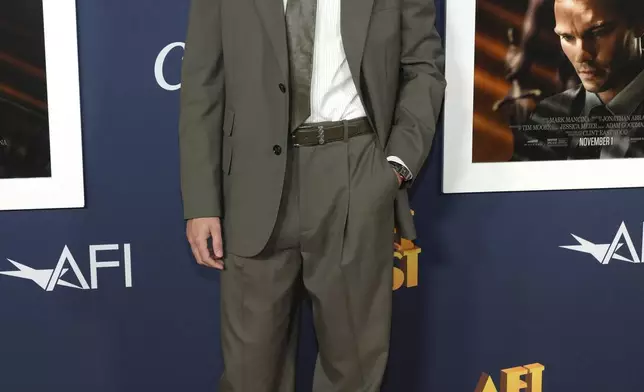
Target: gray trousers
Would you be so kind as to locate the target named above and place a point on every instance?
(334, 239)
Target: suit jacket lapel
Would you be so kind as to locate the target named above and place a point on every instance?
(272, 15)
(355, 16)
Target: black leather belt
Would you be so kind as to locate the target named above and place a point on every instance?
(315, 134)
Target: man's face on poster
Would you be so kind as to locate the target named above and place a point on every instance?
(597, 41)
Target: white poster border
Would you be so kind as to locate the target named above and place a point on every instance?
(65, 187)
(461, 175)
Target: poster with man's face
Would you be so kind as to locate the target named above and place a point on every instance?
(24, 127)
(40, 127)
(557, 80)
(555, 85)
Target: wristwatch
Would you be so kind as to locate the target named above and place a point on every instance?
(402, 170)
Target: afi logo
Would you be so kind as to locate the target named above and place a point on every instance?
(604, 253)
(159, 64)
(48, 279)
(406, 273)
(512, 381)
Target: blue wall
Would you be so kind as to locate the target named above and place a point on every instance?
(495, 289)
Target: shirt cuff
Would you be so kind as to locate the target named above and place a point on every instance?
(398, 160)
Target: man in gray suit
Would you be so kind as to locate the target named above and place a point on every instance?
(302, 127)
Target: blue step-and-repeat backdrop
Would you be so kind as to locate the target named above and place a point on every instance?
(488, 287)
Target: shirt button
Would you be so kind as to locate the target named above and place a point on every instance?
(277, 149)
(282, 88)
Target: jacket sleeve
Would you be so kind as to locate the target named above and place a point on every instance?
(422, 85)
(201, 112)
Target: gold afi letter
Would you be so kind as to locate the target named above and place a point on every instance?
(535, 377)
(406, 274)
(511, 380)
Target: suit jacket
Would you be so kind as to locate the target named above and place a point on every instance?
(234, 103)
(532, 145)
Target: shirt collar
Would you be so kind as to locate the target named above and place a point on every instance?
(592, 101)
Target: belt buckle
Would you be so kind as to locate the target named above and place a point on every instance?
(293, 138)
(320, 134)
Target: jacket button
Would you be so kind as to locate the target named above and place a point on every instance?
(277, 150)
(282, 88)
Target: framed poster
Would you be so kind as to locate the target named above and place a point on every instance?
(41, 162)
(543, 95)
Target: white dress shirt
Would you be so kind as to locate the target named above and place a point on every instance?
(333, 94)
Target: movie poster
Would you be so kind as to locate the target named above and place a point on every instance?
(554, 94)
(40, 135)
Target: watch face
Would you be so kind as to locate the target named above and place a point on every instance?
(401, 170)
(406, 174)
